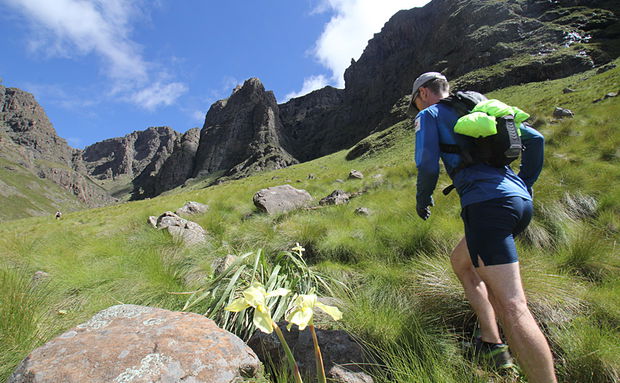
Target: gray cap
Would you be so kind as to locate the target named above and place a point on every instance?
(421, 80)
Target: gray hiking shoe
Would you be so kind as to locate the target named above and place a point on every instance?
(496, 354)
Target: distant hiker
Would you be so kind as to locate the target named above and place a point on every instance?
(496, 205)
(58, 215)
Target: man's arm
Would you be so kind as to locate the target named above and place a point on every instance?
(427, 161)
(533, 156)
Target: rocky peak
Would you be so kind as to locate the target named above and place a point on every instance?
(129, 155)
(174, 171)
(24, 121)
(242, 134)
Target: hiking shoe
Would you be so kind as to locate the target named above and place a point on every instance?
(496, 354)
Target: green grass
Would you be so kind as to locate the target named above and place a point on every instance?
(406, 305)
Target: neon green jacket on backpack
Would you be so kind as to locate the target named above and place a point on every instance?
(481, 122)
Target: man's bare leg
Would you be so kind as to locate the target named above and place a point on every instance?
(525, 338)
(476, 292)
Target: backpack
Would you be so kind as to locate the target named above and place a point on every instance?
(487, 130)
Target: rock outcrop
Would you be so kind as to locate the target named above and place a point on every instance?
(242, 134)
(281, 199)
(188, 232)
(128, 343)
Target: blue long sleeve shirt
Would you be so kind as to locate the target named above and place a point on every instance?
(477, 183)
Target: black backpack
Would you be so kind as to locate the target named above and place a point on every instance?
(497, 150)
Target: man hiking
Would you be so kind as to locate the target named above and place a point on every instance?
(496, 205)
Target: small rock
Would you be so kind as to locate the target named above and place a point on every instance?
(311, 176)
(378, 176)
(339, 181)
(192, 208)
(152, 220)
(568, 90)
(610, 95)
(362, 211)
(561, 113)
(337, 197)
(40, 276)
(221, 264)
(354, 174)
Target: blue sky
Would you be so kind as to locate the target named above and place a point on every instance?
(105, 68)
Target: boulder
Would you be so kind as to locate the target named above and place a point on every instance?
(561, 113)
(188, 232)
(341, 355)
(337, 197)
(128, 343)
(192, 208)
(568, 90)
(354, 174)
(280, 199)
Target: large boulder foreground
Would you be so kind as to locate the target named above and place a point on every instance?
(128, 343)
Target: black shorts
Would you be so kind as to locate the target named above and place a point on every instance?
(490, 228)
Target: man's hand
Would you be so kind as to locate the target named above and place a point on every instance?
(423, 212)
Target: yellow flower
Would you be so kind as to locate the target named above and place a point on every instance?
(256, 296)
(303, 311)
(298, 249)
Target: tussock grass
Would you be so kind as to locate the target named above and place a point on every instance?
(25, 321)
(585, 255)
(589, 352)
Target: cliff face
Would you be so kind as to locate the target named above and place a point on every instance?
(174, 171)
(307, 123)
(242, 134)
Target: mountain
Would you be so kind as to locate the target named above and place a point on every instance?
(40, 172)
(479, 44)
(117, 162)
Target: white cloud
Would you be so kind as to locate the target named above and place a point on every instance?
(70, 28)
(157, 94)
(347, 33)
(198, 116)
(311, 83)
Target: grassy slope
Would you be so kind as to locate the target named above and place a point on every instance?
(411, 309)
(24, 194)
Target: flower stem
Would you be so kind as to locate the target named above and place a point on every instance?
(320, 369)
(289, 354)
